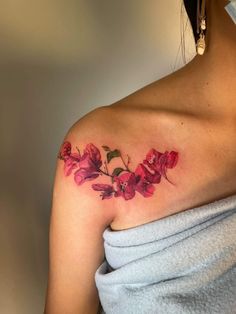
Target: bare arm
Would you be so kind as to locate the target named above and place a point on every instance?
(78, 220)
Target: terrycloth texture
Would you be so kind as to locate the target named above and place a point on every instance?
(184, 263)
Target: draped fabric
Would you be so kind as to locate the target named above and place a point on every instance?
(183, 263)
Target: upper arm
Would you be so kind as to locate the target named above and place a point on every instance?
(78, 219)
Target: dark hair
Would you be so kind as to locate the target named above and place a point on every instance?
(191, 9)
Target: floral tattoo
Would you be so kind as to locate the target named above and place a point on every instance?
(124, 182)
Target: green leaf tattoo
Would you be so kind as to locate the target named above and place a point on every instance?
(112, 154)
(116, 172)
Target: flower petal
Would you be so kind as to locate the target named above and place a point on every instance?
(172, 159)
(82, 175)
(94, 154)
(102, 187)
(65, 150)
(69, 166)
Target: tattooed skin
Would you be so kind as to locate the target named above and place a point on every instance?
(124, 182)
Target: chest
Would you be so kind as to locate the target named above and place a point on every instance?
(205, 171)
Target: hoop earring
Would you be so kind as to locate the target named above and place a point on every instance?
(201, 27)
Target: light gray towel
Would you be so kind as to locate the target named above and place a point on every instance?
(183, 263)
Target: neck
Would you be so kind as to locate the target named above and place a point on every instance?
(215, 71)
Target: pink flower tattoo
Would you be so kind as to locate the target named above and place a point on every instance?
(124, 182)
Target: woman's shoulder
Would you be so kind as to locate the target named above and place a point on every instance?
(160, 102)
(153, 157)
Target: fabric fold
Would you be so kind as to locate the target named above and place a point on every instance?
(183, 263)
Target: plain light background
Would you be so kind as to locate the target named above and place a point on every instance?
(59, 59)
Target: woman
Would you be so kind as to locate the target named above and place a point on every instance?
(154, 174)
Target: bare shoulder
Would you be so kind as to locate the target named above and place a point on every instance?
(96, 118)
(113, 156)
(145, 154)
(80, 163)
